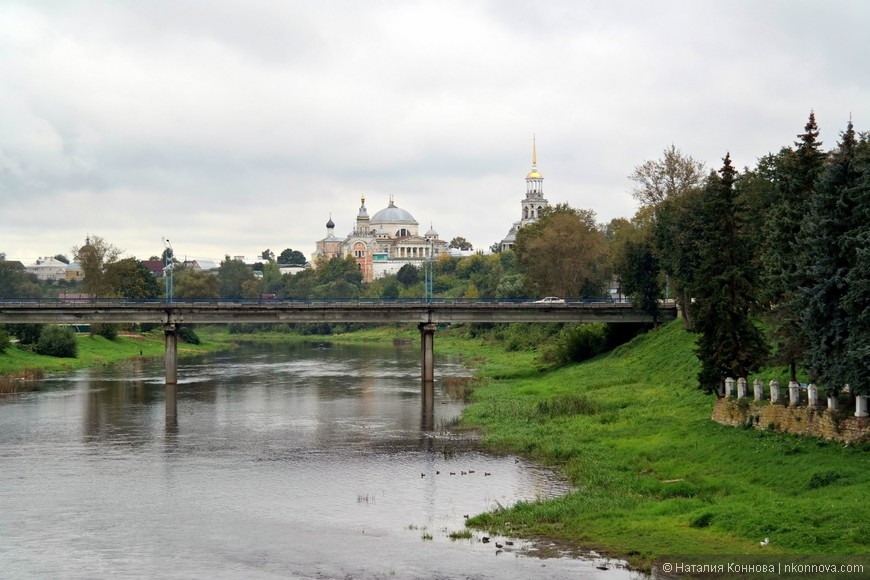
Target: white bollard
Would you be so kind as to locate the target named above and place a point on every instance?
(729, 388)
(861, 406)
(741, 388)
(812, 395)
(758, 389)
(794, 394)
(832, 402)
(774, 391)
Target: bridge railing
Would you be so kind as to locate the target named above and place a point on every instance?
(224, 302)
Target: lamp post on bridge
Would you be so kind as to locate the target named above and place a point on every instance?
(168, 267)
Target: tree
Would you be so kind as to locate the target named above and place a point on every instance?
(639, 275)
(562, 253)
(460, 243)
(291, 257)
(729, 343)
(62, 258)
(190, 283)
(15, 282)
(408, 275)
(232, 274)
(678, 236)
(93, 257)
(672, 175)
(784, 267)
(130, 278)
(59, 341)
(268, 255)
(832, 308)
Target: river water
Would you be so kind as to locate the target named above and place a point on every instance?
(302, 461)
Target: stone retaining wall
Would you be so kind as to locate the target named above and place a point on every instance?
(799, 420)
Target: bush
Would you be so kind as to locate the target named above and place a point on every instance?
(577, 342)
(57, 341)
(4, 340)
(26, 333)
(109, 331)
(187, 334)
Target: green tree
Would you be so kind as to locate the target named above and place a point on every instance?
(829, 300)
(26, 333)
(563, 253)
(856, 244)
(61, 258)
(130, 278)
(291, 257)
(784, 266)
(671, 176)
(15, 282)
(268, 255)
(190, 283)
(639, 275)
(272, 280)
(232, 274)
(730, 344)
(93, 257)
(408, 275)
(4, 340)
(58, 341)
(460, 243)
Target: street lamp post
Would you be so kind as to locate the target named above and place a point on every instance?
(168, 259)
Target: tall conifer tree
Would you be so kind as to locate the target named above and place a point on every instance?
(729, 343)
(783, 274)
(830, 244)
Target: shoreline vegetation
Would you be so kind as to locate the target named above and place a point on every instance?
(630, 430)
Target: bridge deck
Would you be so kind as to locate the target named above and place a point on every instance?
(296, 311)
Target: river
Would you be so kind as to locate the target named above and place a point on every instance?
(302, 461)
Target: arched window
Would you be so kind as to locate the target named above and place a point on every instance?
(525, 213)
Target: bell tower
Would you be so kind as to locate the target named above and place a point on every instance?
(534, 201)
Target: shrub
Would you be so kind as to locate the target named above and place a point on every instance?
(57, 341)
(26, 333)
(109, 331)
(702, 521)
(4, 340)
(187, 334)
(577, 342)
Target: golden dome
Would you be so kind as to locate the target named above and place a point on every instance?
(534, 174)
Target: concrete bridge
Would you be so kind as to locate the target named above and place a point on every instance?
(427, 314)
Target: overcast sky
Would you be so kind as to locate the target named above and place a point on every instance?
(230, 127)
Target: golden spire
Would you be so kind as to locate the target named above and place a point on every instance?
(534, 151)
(534, 173)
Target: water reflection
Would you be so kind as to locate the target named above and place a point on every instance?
(273, 460)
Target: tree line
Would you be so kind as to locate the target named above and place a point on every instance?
(769, 265)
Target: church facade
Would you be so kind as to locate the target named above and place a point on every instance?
(532, 204)
(383, 243)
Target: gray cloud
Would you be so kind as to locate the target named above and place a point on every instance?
(231, 127)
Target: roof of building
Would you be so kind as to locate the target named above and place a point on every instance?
(393, 214)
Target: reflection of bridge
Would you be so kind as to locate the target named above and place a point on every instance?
(426, 313)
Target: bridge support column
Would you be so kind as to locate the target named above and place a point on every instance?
(170, 333)
(427, 374)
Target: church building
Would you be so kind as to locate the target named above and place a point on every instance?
(382, 243)
(532, 204)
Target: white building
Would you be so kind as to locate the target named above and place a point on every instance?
(382, 243)
(48, 269)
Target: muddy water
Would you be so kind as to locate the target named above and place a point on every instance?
(304, 461)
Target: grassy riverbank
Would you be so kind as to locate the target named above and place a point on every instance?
(654, 474)
(19, 365)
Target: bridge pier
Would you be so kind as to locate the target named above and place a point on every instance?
(170, 333)
(427, 374)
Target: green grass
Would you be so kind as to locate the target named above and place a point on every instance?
(93, 351)
(653, 474)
